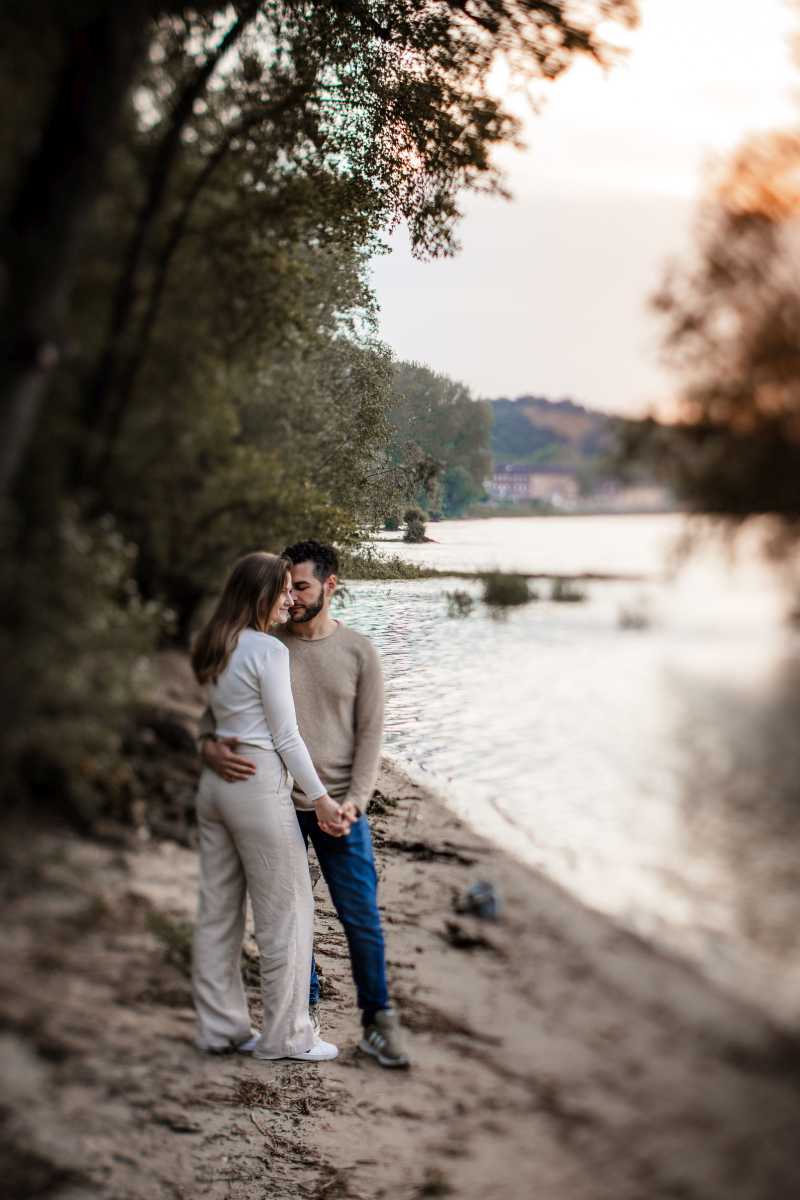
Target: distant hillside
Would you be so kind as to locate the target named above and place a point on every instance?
(532, 429)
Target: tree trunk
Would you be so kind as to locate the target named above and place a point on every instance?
(100, 401)
(128, 372)
(42, 238)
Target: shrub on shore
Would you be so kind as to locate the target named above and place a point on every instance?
(501, 590)
(77, 640)
(512, 508)
(566, 591)
(175, 936)
(365, 563)
(415, 525)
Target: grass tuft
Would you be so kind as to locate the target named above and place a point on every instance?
(459, 603)
(176, 938)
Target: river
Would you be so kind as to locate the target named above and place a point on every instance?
(640, 748)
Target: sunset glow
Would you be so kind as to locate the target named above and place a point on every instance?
(549, 293)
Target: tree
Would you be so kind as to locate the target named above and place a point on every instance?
(414, 519)
(435, 419)
(394, 92)
(458, 491)
(515, 435)
(192, 302)
(733, 334)
(260, 399)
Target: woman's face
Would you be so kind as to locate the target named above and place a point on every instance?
(280, 613)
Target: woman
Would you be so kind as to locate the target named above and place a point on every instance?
(250, 839)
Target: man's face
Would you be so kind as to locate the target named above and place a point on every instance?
(309, 594)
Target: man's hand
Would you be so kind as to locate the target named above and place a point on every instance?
(220, 755)
(348, 815)
(351, 810)
(330, 817)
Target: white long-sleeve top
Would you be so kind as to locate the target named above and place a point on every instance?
(252, 701)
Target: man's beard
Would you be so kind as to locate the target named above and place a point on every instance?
(309, 613)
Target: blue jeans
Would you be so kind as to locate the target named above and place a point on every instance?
(348, 867)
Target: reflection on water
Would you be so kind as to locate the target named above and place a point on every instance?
(741, 804)
(653, 772)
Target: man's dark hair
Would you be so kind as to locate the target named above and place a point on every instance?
(324, 557)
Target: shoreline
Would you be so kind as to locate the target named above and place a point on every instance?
(555, 1055)
(776, 1014)
(424, 573)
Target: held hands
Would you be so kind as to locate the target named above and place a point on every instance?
(220, 755)
(334, 819)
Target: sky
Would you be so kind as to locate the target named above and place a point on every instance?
(549, 292)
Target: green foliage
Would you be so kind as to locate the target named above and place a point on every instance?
(75, 640)
(414, 519)
(441, 430)
(532, 430)
(514, 435)
(502, 590)
(175, 936)
(459, 490)
(266, 457)
(513, 508)
(185, 284)
(257, 410)
(364, 562)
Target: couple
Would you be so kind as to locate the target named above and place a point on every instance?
(252, 839)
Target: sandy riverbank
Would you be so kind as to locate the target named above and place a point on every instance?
(554, 1056)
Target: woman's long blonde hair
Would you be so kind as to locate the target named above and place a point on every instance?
(253, 589)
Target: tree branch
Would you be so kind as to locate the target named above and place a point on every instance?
(96, 407)
(119, 403)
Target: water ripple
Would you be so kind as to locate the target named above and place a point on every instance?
(590, 751)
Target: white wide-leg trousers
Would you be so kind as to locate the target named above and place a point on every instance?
(250, 841)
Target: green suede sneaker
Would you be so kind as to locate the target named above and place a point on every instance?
(383, 1039)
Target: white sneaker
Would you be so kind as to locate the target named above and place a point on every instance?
(319, 1052)
(249, 1046)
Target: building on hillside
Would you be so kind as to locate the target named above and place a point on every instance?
(509, 482)
(550, 484)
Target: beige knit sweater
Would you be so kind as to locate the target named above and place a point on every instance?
(338, 694)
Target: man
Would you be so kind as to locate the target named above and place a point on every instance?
(338, 693)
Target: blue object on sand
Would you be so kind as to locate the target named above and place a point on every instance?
(482, 900)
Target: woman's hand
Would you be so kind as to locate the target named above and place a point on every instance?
(332, 820)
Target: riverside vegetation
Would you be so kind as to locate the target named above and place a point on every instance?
(190, 197)
(503, 590)
(184, 257)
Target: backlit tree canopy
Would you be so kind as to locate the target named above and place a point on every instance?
(190, 196)
(390, 96)
(733, 336)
